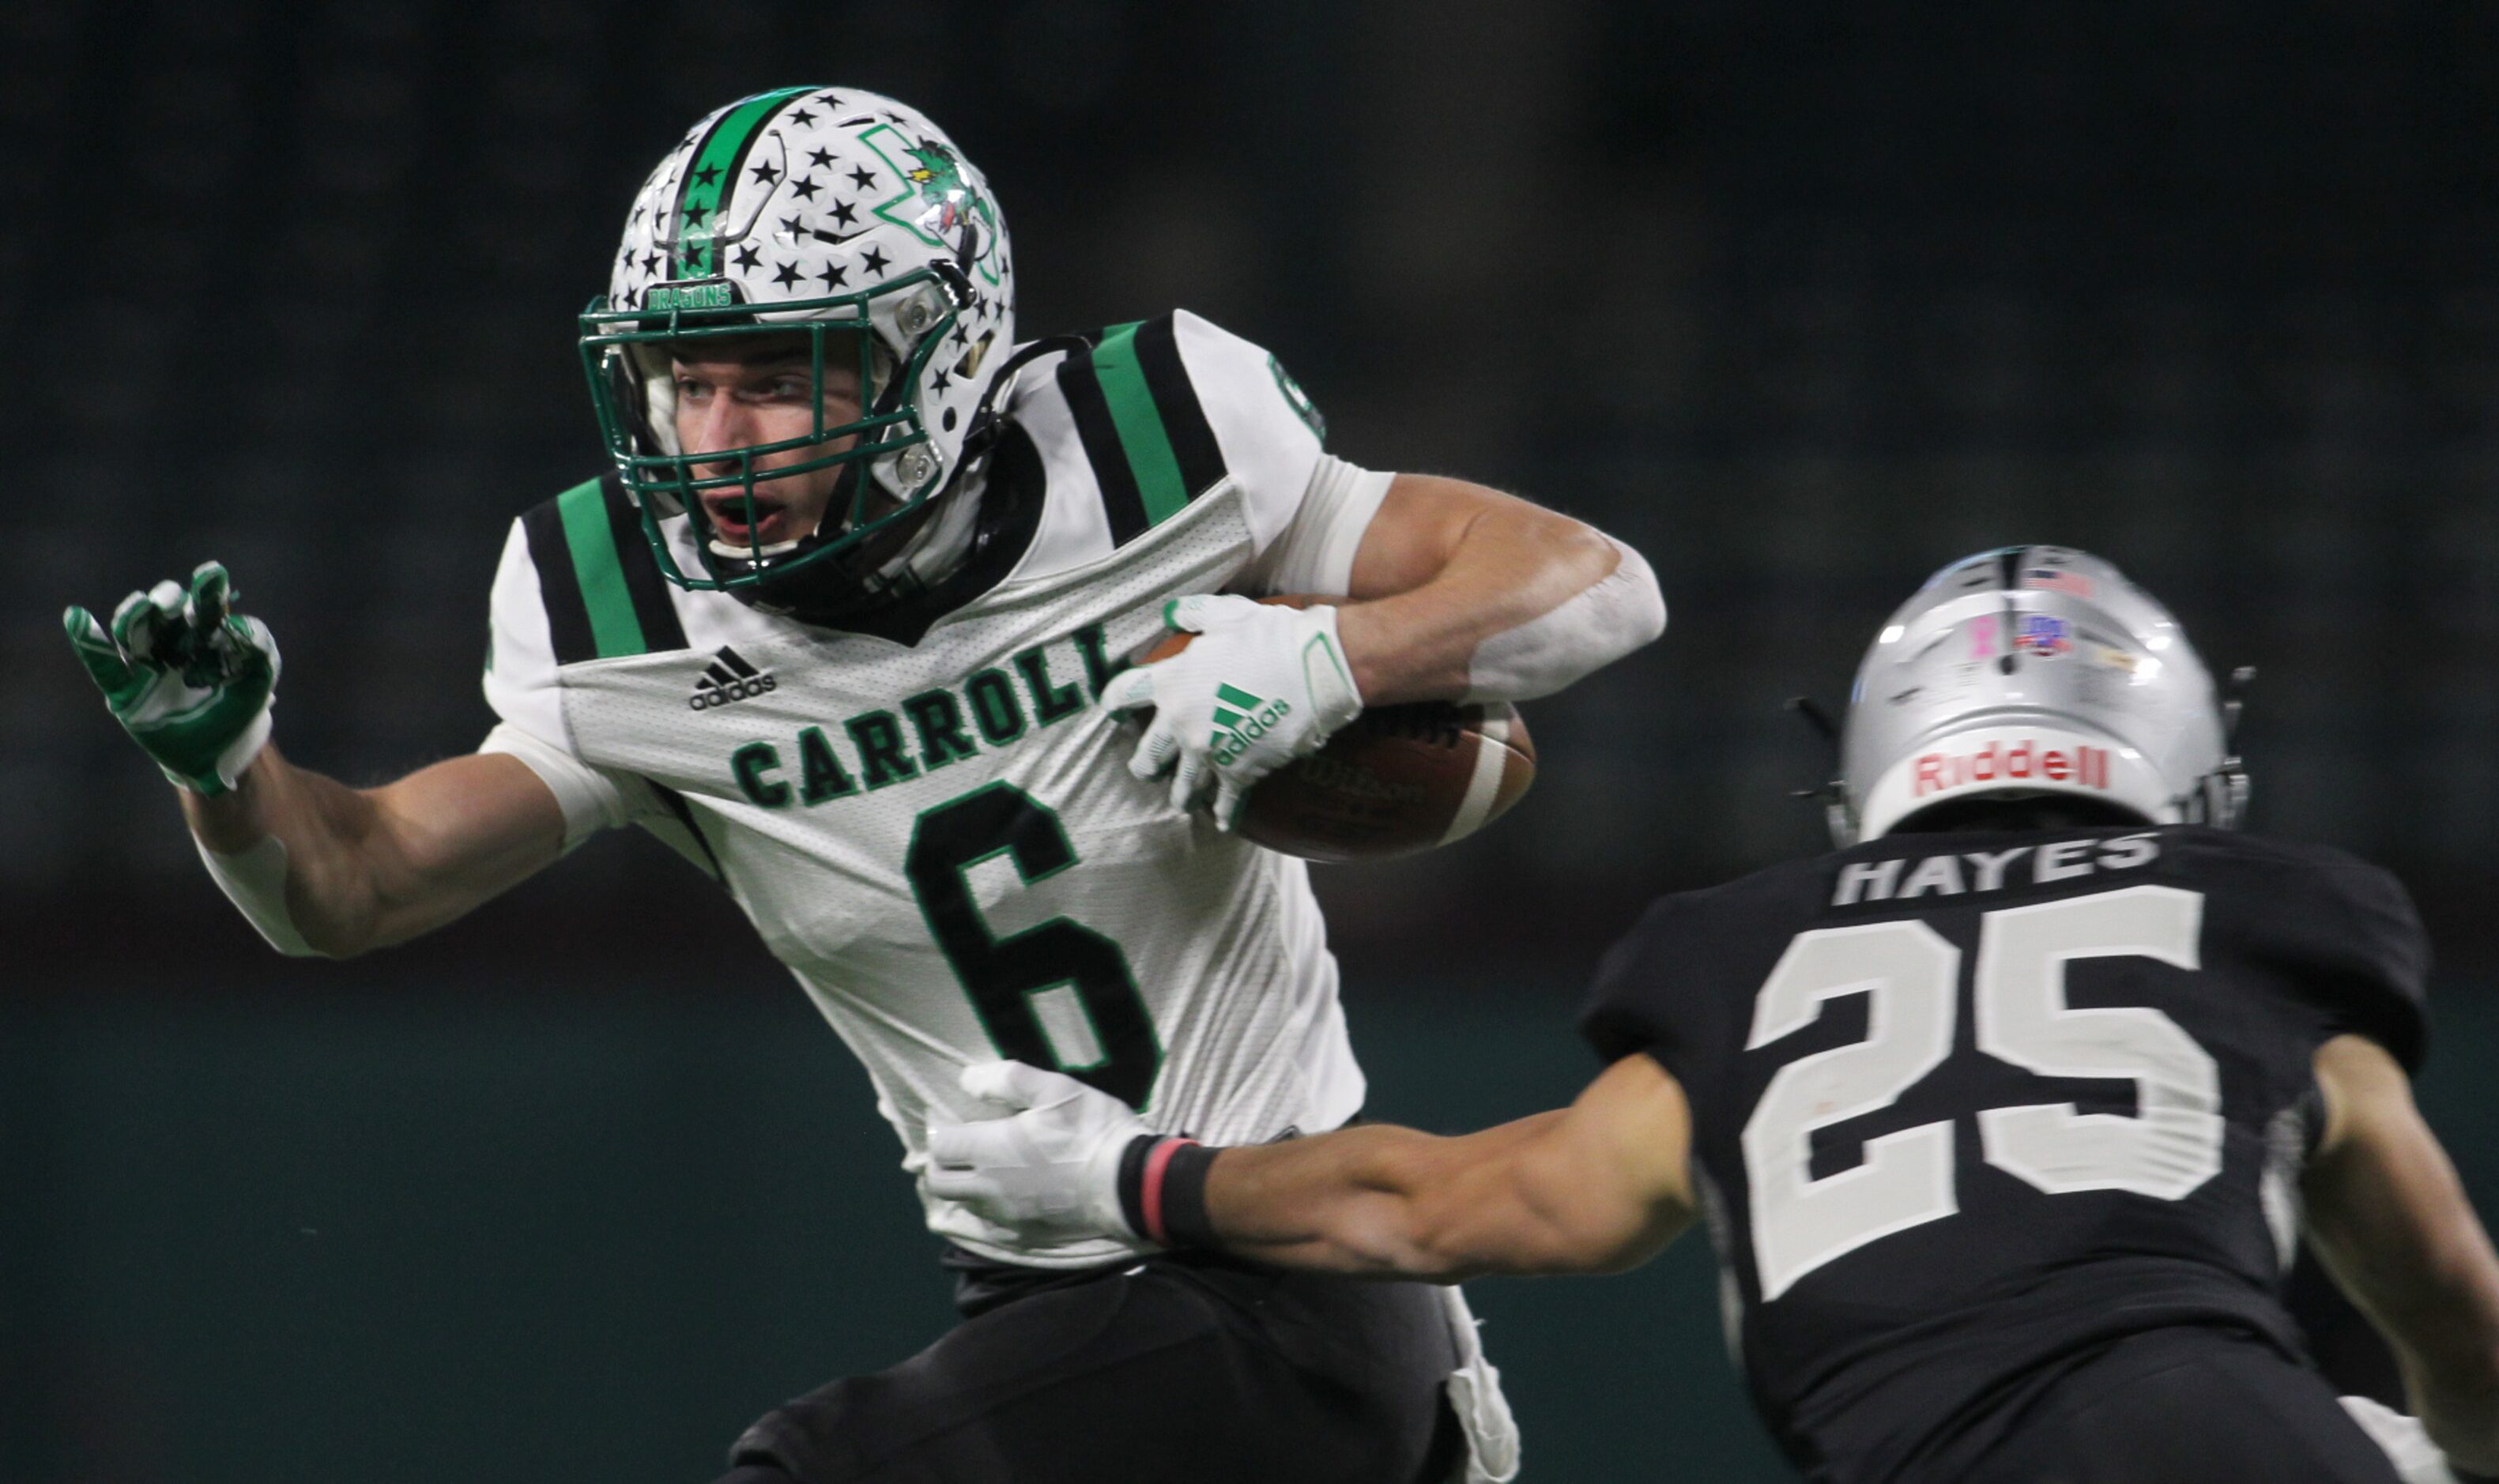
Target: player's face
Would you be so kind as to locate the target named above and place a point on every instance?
(737, 393)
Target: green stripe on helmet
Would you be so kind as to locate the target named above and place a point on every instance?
(712, 174)
(1140, 424)
(591, 540)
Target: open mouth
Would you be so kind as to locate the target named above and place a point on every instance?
(740, 524)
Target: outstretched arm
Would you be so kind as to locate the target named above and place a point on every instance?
(366, 868)
(2391, 1220)
(1595, 1187)
(316, 866)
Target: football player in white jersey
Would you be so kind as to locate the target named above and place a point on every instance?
(848, 623)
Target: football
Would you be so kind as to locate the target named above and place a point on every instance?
(1395, 780)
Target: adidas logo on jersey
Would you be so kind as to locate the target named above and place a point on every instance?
(729, 677)
(1240, 719)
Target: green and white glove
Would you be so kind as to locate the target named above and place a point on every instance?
(1260, 686)
(188, 678)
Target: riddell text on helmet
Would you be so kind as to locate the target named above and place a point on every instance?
(2085, 767)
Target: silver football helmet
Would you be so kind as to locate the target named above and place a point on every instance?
(2031, 671)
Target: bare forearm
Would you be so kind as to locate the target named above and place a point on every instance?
(2391, 1221)
(1381, 1201)
(1332, 1202)
(369, 868)
(327, 830)
(1507, 565)
(2445, 1350)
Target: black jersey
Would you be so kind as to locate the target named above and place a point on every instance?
(1966, 1106)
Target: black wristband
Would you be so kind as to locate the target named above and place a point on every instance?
(1162, 1190)
(1186, 1224)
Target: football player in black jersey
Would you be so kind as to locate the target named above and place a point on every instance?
(2005, 1118)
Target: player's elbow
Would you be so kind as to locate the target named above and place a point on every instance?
(320, 939)
(2457, 1364)
(1642, 603)
(1618, 599)
(2459, 1406)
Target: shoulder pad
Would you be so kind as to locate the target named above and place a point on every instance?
(604, 596)
(1143, 430)
(2340, 929)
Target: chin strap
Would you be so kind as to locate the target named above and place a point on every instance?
(939, 546)
(1831, 796)
(2222, 800)
(982, 434)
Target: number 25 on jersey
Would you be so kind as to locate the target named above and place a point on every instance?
(1912, 975)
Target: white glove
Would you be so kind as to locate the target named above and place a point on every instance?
(2405, 1441)
(1261, 685)
(1048, 1166)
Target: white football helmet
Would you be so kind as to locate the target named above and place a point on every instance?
(848, 216)
(2031, 671)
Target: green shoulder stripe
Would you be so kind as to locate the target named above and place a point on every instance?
(604, 596)
(1148, 449)
(1142, 430)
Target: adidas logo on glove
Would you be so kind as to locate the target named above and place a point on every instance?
(1241, 719)
(729, 677)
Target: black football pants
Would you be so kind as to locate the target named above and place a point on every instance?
(1175, 1370)
(2185, 1405)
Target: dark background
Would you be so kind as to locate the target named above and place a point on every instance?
(1803, 299)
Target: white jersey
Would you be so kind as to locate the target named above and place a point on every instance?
(933, 825)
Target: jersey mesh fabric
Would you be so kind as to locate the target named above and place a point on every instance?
(816, 797)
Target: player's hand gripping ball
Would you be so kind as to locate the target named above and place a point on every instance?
(1393, 781)
(1259, 686)
(189, 679)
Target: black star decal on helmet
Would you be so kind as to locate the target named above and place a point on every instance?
(874, 261)
(862, 177)
(651, 263)
(804, 188)
(829, 101)
(789, 226)
(822, 159)
(786, 275)
(696, 214)
(765, 173)
(938, 383)
(748, 257)
(692, 259)
(960, 338)
(836, 276)
(802, 116)
(709, 174)
(844, 213)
